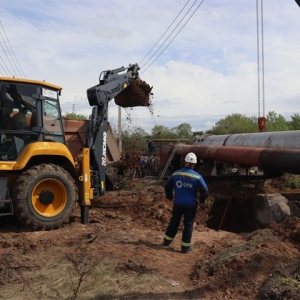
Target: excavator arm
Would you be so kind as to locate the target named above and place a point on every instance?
(112, 85)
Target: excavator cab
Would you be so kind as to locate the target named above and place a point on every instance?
(28, 112)
(37, 170)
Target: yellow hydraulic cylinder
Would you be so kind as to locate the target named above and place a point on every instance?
(86, 193)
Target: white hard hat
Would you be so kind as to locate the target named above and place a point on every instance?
(191, 158)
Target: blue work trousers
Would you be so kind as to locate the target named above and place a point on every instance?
(189, 214)
(151, 152)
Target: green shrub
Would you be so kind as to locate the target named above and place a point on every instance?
(74, 116)
(291, 181)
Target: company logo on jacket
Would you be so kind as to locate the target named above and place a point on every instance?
(179, 184)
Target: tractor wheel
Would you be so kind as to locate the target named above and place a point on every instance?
(44, 197)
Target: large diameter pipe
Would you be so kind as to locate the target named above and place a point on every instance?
(284, 160)
(278, 139)
(171, 140)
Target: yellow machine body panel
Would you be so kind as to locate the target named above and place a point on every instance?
(31, 81)
(37, 148)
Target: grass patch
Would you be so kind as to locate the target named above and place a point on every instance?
(77, 278)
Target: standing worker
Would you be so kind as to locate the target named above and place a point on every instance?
(151, 148)
(186, 183)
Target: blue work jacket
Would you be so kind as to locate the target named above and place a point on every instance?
(186, 184)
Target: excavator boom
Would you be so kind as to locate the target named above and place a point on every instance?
(125, 86)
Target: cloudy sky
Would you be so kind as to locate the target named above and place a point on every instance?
(203, 69)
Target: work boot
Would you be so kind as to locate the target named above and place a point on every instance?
(186, 249)
(166, 242)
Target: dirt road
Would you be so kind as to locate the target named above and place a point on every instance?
(119, 255)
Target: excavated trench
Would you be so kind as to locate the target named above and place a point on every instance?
(233, 213)
(233, 208)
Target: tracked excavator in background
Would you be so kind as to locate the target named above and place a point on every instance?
(40, 180)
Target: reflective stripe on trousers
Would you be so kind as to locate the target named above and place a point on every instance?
(186, 245)
(168, 238)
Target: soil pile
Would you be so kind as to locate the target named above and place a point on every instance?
(119, 254)
(136, 94)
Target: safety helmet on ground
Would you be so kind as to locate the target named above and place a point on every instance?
(191, 158)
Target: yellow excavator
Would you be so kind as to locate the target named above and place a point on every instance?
(40, 180)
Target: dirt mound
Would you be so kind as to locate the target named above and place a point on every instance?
(119, 254)
(136, 94)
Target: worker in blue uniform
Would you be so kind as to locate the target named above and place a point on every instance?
(186, 184)
(151, 148)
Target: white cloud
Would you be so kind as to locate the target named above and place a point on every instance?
(208, 72)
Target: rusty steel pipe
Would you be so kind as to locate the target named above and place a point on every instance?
(284, 160)
(171, 140)
(278, 139)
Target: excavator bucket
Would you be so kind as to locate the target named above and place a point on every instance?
(136, 94)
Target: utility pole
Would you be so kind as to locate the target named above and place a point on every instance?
(120, 128)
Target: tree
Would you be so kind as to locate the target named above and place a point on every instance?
(276, 122)
(162, 132)
(295, 123)
(183, 131)
(134, 140)
(235, 123)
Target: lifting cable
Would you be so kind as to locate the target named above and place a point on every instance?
(260, 68)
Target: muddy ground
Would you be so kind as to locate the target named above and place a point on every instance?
(119, 255)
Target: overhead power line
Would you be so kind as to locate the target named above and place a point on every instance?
(164, 33)
(171, 34)
(4, 69)
(10, 55)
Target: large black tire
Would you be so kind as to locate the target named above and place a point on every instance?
(44, 197)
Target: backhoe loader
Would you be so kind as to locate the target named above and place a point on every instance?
(40, 180)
